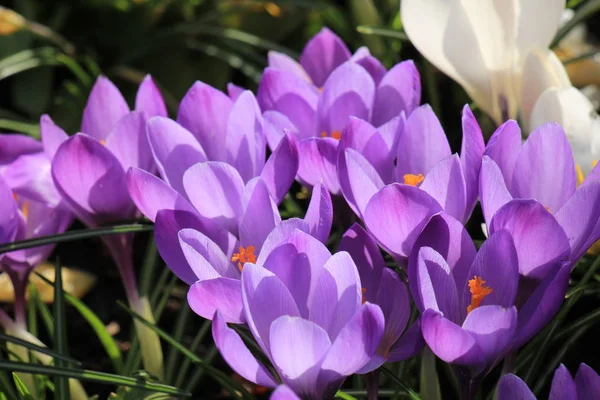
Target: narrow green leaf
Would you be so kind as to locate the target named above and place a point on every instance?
(87, 375)
(378, 31)
(429, 386)
(204, 329)
(42, 308)
(61, 390)
(199, 373)
(583, 13)
(180, 324)
(22, 388)
(39, 349)
(75, 235)
(345, 396)
(32, 130)
(411, 393)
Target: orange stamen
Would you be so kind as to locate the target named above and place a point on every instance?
(548, 209)
(478, 292)
(25, 209)
(323, 134)
(243, 256)
(413, 180)
(363, 290)
(103, 142)
(580, 176)
(337, 135)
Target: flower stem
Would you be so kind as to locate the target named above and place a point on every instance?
(19, 278)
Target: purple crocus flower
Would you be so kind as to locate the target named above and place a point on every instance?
(382, 286)
(469, 299)
(213, 266)
(421, 157)
(283, 393)
(315, 99)
(299, 297)
(542, 169)
(586, 385)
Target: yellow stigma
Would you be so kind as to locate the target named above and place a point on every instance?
(579, 172)
(478, 291)
(244, 255)
(337, 135)
(413, 180)
(363, 290)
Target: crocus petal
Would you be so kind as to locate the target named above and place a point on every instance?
(168, 224)
(337, 294)
(497, 264)
(260, 215)
(319, 215)
(396, 215)
(105, 106)
(349, 91)
(493, 193)
(224, 205)
(436, 289)
(445, 182)
(259, 287)
(563, 385)
(504, 147)
(310, 342)
(511, 387)
(540, 241)
(399, 90)
(542, 305)
(30, 176)
(218, 294)
(290, 95)
(471, 153)
(284, 62)
(234, 91)
(52, 135)
(129, 143)
(409, 345)
(205, 257)
(91, 180)
(9, 218)
(323, 54)
(359, 180)
(579, 216)
(588, 382)
(175, 149)
(236, 354)
(276, 126)
(544, 164)
(318, 157)
(283, 393)
(422, 143)
(151, 194)
(356, 343)
(280, 169)
(204, 111)
(549, 14)
(367, 256)
(280, 234)
(14, 146)
(245, 141)
(362, 56)
(149, 100)
(449, 341)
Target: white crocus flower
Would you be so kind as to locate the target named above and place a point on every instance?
(482, 44)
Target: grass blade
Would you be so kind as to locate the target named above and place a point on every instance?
(61, 391)
(390, 33)
(39, 349)
(583, 13)
(22, 388)
(411, 393)
(42, 309)
(177, 335)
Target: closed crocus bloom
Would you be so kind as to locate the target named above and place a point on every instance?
(586, 385)
(482, 44)
(345, 87)
(304, 308)
(541, 169)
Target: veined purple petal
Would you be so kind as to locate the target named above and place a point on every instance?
(399, 90)
(359, 181)
(284, 62)
(390, 132)
(218, 294)
(52, 135)
(322, 55)
(9, 218)
(319, 215)
(237, 355)
(91, 180)
(129, 143)
(205, 257)
(504, 147)
(409, 345)
(318, 157)
(204, 111)
(445, 182)
(175, 149)
(105, 106)
(245, 141)
(348, 92)
(587, 382)
(540, 241)
(396, 215)
(511, 387)
(14, 146)
(563, 385)
(149, 100)
(292, 96)
(283, 393)
(276, 125)
(280, 235)
(222, 181)
(545, 169)
(493, 193)
(471, 154)
(30, 176)
(234, 91)
(422, 143)
(280, 169)
(362, 56)
(260, 215)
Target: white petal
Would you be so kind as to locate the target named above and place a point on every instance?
(538, 23)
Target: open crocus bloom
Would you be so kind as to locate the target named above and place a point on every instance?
(298, 296)
(292, 103)
(586, 385)
(482, 45)
(469, 300)
(542, 169)
(423, 159)
(213, 127)
(382, 286)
